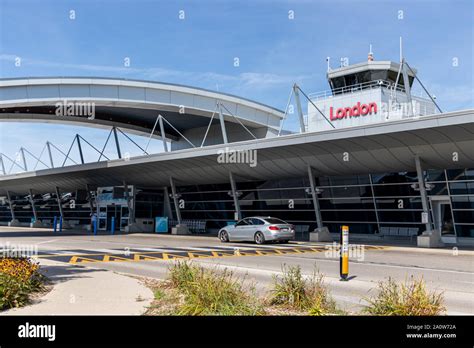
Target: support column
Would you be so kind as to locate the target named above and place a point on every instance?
(233, 185)
(130, 203)
(61, 212)
(166, 203)
(163, 134)
(423, 194)
(429, 238)
(180, 228)
(320, 234)
(221, 120)
(35, 213)
(132, 226)
(117, 144)
(89, 198)
(299, 108)
(314, 195)
(14, 222)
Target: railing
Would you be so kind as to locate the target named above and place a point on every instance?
(363, 86)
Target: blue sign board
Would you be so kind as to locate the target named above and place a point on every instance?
(161, 224)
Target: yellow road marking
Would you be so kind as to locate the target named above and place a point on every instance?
(113, 258)
(75, 258)
(193, 255)
(166, 256)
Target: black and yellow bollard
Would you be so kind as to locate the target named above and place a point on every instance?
(344, 255)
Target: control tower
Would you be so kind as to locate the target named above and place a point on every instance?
(367, 93)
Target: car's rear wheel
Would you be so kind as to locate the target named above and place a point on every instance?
(259, 238)
(224, 237)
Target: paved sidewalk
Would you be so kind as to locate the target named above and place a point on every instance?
(87, 291)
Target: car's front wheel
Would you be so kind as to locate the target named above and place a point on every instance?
(224, 236)
(259, 238)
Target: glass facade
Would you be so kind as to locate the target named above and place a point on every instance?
(367, 203)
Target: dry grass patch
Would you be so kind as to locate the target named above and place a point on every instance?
(408, 298)
(309, 296)
(194, 290)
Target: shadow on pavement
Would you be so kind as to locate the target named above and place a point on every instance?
(60, 273)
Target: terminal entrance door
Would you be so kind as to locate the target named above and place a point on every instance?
(113, 211)
(106, 212)
(443, 218)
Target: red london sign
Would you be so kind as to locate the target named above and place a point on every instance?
(355, 111)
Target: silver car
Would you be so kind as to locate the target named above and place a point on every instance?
(259, 229)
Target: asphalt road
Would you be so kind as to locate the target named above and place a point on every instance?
(150, 255)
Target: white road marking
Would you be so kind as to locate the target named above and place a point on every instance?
(386, 265)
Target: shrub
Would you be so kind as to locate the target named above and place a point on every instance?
(210, 292)
(290, 289)
(309, 295)
(19, 277)
(182, 273)
(408, 298)
(320, 301)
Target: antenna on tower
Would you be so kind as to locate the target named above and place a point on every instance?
(329, 66)
(401, 50)
(370, 58)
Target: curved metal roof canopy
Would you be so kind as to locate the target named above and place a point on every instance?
(128, 104)
(378, 148)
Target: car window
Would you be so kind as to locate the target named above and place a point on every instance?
(243, 222)
(275, 221)
(257, 222)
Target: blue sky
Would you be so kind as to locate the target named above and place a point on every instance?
(274, 51)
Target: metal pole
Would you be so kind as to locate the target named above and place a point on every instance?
(12, 211)
(33, 208)
(131, 210)
(314, 105)
(286, 112)
(424, 196)
(22, 151)
(3, 165)
(152, 132)
(112, 225)
(175, 200)
(117, 144)
(221, 120)
(80, 148)
(58, 197)
(317, 210)
(406, 83)
(234, 196)
(89, 198)
(298, 106)
(167, 204)
(48, 146)
(163, 134)
(426, 91)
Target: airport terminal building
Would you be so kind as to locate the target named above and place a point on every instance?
(370, 154)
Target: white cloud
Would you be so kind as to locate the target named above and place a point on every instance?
(239, 81)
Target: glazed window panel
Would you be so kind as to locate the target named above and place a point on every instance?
(461, 188)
